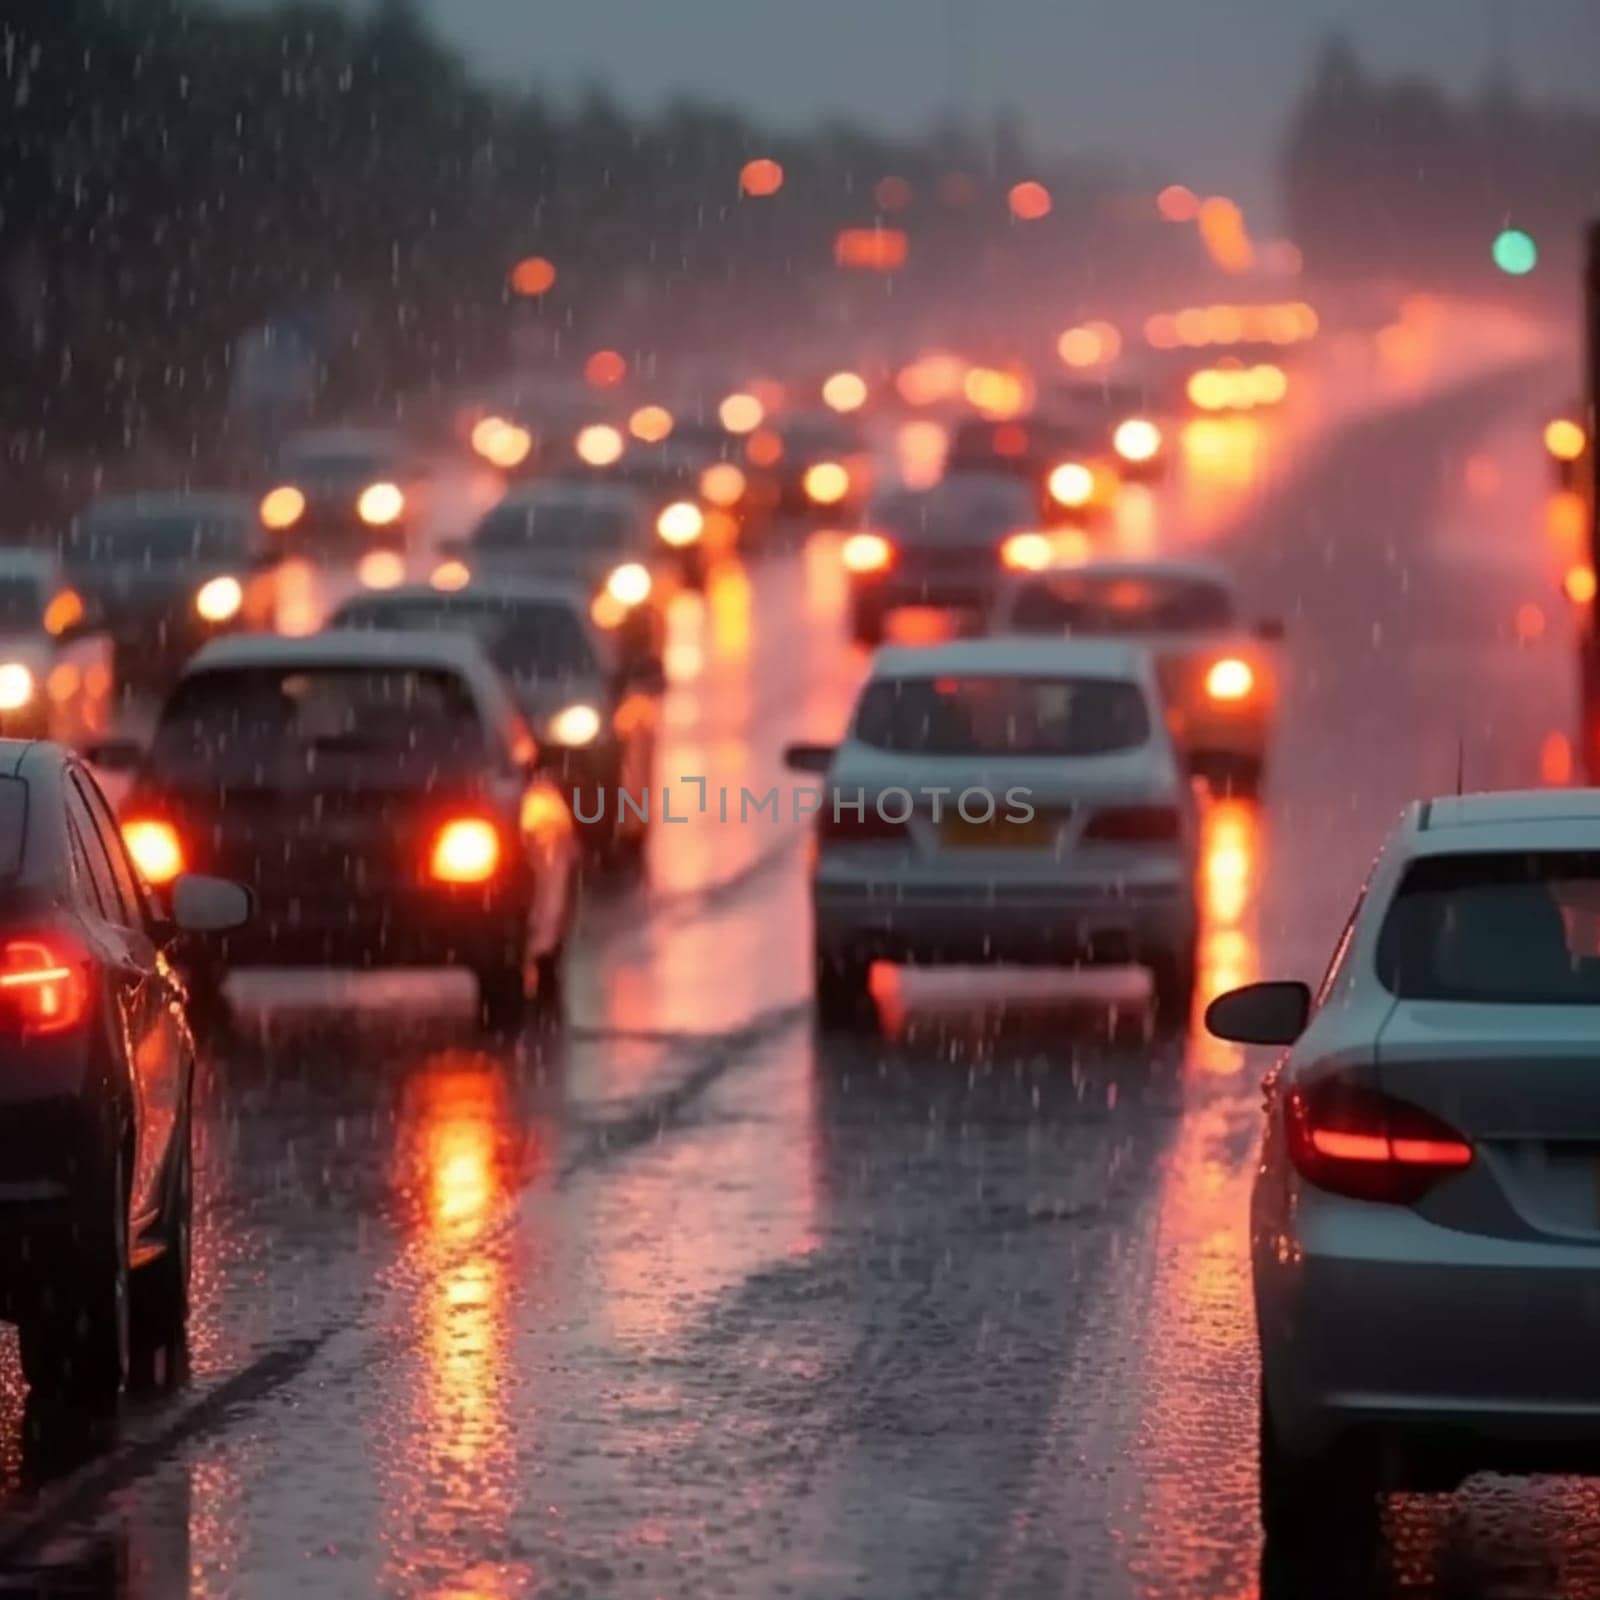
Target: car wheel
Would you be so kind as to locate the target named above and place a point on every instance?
(159, 1293)
(502, 998)
(842, 993)
(1328, 1499)
(74, 1339)
(1172, 984)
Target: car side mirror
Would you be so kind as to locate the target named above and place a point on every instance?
(1271, 629)
(1260, 1013)
(809, 757)
(114, 755)
(209, 905)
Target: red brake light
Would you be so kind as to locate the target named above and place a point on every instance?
(1367, 1145)
(42, 984)
(1135, 825)
(465, 850)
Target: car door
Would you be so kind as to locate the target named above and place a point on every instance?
(156, 1045)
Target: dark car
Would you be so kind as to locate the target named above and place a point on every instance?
(165, 573)
(380, 794)
(343, 492)
(94, 1133)
(598, 536)
(941, 547)
(1068, 464)
(594, 715)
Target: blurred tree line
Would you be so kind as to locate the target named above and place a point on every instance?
(173, 177)
(1397, 183)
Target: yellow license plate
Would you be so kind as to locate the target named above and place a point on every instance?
(1037, 833)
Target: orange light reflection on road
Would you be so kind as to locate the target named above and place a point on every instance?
(451, 1490)
(1230, 873)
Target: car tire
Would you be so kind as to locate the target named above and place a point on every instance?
(502, 998)
(1327, 1500)
(158, 1325)
(843, 996)
(74, 1340)
(1172, 986)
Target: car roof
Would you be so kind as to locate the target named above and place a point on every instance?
(1024, 656)
(1503, 819)
(28, 563)
(1198, 570)
(213, 503)
(343, 647)
(556, 591)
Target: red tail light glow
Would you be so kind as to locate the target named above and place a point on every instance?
(1135, 825)
(465, 850)
(1367, 1145)
(155, 847)
(43, 987)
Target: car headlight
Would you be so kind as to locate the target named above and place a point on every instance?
(218, 599)
(681, 523)
(16, 686)
(1137, 439)
(575, 726)
(380, 504)
(629, 584)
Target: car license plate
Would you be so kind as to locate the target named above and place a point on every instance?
(1036, 833)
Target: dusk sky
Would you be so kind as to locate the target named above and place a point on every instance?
(1198, 87)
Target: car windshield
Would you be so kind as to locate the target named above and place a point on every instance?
(287, 725)
(524, 638)
(995, 715)
(975, 510)
(1122, 603)
(21, 601)
(156, 538)
(1519, 928)
(570, 526)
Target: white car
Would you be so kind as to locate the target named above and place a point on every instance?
(1220, 676)
(1004, 801)
(1425, 1224)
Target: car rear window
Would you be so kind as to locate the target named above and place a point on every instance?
(976, 511)
(992, 715)
(556, 525)
(156, 537)
(1122, 603)
(524, 638)
(283, 724)
(21, 602)
(1520, 928)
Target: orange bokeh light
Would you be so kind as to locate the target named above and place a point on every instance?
(1564, 439)
(1029, 201)
(1580, 585)
(871, 249)
(764, 448)
(1178, 203)
(533, 276)
(651, 424)
(605, 369)
(760, 177)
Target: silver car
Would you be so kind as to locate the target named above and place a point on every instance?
(1005, 801)
(1425, 1223)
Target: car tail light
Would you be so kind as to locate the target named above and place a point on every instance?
(1135, 825)
(43, 984)
(868, 552)
(1367, 1145)
(844, 826)
(155, 847)
(1230, 679)
(465, 850)
(1027, 552)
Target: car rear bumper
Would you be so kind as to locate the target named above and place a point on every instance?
(1023, 923)
(1477, 1350)
(414, 929)
(964, 590)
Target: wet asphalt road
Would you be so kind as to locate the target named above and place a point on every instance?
(683, 1299)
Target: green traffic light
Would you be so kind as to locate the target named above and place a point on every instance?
(1515, 252)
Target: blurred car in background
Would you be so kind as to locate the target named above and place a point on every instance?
(825, 472)
(96, 1173)
(595, 717)
(598, 536)
(165, 573)
(1070, 467)
(57, 664)
(379, 792)
(341, 493)
(946, 547)
(1220, 678)
(1127, 414)
(1004, 801)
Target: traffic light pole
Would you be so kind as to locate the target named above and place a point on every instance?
(1588, 649)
